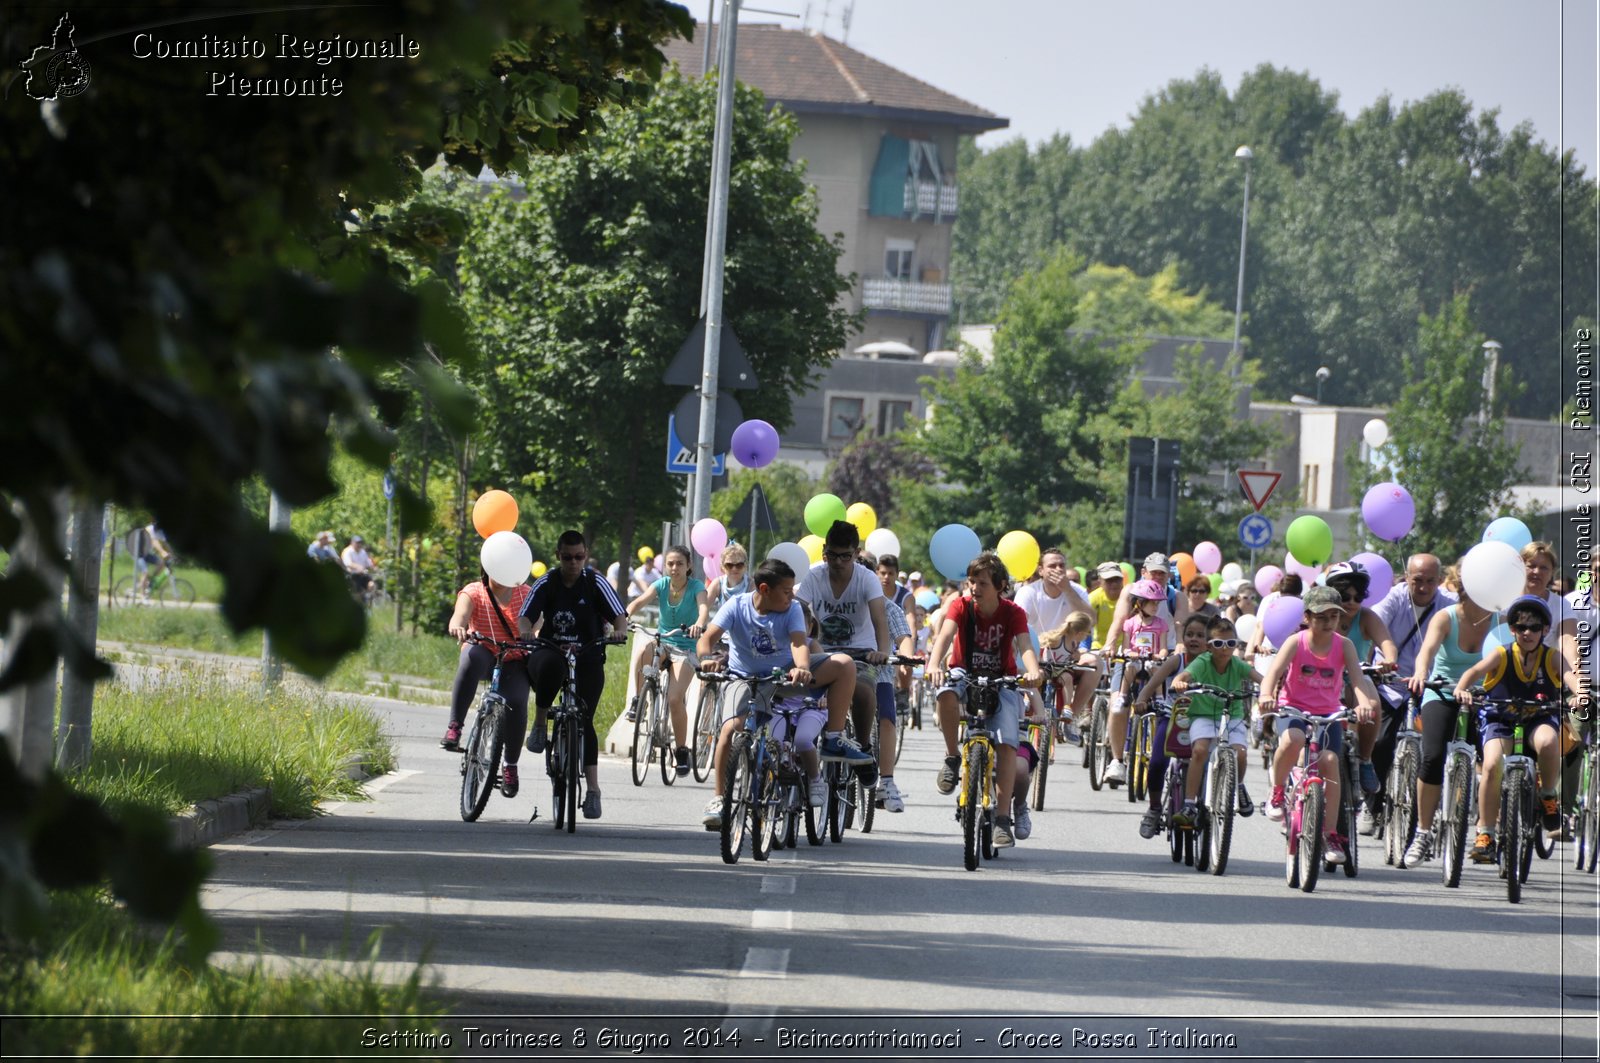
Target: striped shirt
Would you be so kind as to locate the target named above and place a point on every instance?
(485, 621)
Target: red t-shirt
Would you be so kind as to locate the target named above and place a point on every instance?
(995, 636)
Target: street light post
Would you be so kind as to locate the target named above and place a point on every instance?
(1323, 373)
(1491, 369)
(1246, 154)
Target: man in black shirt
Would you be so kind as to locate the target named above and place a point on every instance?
(572, 604)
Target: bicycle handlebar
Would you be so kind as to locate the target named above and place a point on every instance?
(1244, 694)
(501, 646)
(656, 633)
(1342, 716)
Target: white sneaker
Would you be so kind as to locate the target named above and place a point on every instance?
(892, 801)
(1117, 773)
(818, 794)
(1420, 850)
(713, 814)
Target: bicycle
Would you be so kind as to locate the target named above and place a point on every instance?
(651, 729)
(1180, 842)
(1399, 819)
(1304, 818)
(707, 720)
(1521, 817)
(846, 791)
(1458, 795)
(563, 754)
(480, 755)
(1219, 786)
(761, 781)
(163, 585)
(1586, 821)
(976, 794)
(1099, 716)
(1129, 740)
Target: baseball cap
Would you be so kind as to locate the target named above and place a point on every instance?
(1110, 570)
(915, 577)
(357, 539)
(1322, 599)
(1157, 563)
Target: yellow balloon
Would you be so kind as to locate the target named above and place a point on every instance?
(645, 555)
(1020, 553)
(538, 569)
(812, 545)
(864, 517)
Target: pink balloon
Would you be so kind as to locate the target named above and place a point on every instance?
(659, 564)
(1267, 577)
(712, 566)
(1208, 557)
(755, 444)
(1307, 573)
(1281, 618)
(708, 536)
(1381, 574)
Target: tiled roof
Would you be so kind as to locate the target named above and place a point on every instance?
(812, 72)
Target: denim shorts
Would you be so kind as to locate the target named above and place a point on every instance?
(886, 706)
(1205, 727)
(1332, 737)
(1006, 722)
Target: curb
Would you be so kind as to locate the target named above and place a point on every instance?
(211, 821)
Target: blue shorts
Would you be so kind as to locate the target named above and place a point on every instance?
(1332, 736)
(1007, 720)
(1496, 723)
(886, 706)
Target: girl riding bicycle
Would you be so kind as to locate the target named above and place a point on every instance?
(683, 609)
(485, 607)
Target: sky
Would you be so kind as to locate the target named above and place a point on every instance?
(1082, 66)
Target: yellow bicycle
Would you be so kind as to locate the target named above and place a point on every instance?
(976, 796)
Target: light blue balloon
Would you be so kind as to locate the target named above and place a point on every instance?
(928, 599)
(1508, 530)
(952, 548)
(1498, 636)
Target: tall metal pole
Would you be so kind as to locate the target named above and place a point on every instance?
(83, 613)
(722, 152)
(705, 258)
(278, 513)
(1244, 228)
(1491, 351)
(705, 49)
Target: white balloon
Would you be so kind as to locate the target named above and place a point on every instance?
(792, 554)
(1245, 626)
(1493, 574)
(1232, 571)
(507, 558)
(1375, 432)
(883, 541)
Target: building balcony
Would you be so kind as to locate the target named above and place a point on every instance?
(929, 198)
(884, 293)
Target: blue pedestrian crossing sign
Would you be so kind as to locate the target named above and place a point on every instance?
(680, 458)
(1255, 532)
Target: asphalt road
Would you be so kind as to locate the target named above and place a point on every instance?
(1084, 932)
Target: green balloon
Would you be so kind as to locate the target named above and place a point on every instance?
(822, 511)
(1082, 573)
(1310, 540)
(1127, 570)
(1216, 583)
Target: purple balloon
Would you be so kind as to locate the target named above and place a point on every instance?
(1388, 511)
(1382, 577)
(755, 443)
(1267, 577)
(1281, 618)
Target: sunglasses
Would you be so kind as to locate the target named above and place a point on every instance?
(839, 555)
(1350, 599)
(574, 557)
(1311, 669)
(733, 564)
(1527, 629)
(1199, 590)
(1223, 644)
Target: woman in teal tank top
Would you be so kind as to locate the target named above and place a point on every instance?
(682, 602)
(1452, 645)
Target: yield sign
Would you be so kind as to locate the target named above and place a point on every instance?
(1258, 486)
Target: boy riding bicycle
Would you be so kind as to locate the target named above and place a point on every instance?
(1219, 668)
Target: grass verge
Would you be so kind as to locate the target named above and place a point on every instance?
(96, 982)
(189, 736)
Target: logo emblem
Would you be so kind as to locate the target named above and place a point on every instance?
(56, 70)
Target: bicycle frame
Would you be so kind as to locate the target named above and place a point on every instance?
(479, 764)
(980, 746)
(1303, 862)
(564, 754)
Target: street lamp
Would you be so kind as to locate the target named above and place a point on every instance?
(1246, 154)
(1491, 369)
(1323, 373)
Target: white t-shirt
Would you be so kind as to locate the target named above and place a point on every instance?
(1560, 611)
(1045, 613)
(844, 622)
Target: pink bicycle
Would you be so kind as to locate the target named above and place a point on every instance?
(1306, 813)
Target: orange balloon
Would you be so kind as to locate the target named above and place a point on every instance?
(494, 511)
(1186, 567)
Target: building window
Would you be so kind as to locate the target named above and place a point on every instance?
(897, 258)
(893, 415)
(1308, 485)
(844, 417)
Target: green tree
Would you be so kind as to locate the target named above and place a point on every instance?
(583, 291)
(1457, 470)
(181, 320)
(867, 471)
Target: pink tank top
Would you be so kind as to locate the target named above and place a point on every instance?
(1314, 685)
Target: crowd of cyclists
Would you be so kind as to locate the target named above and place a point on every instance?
(843, 631)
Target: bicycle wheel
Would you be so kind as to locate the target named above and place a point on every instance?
(180, 592)
(1453, 814)
(864, 798)
(1542, 842)
(814, 825)
(1098, 746)
(1041, 773)
(1139, 767)
(974, 768)
(738, 777)
(1590, 826)
(1350, 798)
(555, 766)
(639, 752)
(1511, 843)
(1171, 802)
(1532, 829)
(482, 759)
(571, 768)
(125, 593)
(788, 816)
(662, 738)
(1098, 709)
(1309, 838)
(1219, 816)
(838, 799)
(1402, 802)
(705, 730)
(902, 723)
(763, 805)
